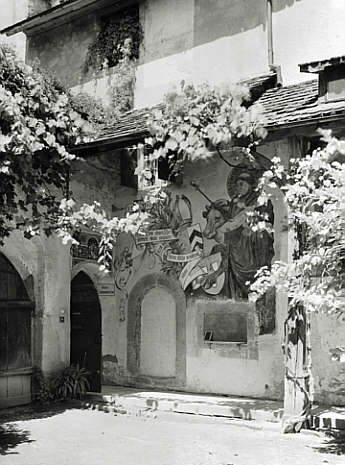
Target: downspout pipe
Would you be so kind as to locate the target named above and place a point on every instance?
(271, 65)
(270, 34)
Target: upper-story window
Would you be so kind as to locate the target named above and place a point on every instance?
(140, 171)
(149, 171)
(331, 77)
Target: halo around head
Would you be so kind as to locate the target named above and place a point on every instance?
(244, 172)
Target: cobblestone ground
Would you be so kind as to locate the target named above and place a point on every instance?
(84, 437)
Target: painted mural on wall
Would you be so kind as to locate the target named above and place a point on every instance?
(216, 256)
(245, 250)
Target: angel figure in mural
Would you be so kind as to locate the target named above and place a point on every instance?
(244, 250)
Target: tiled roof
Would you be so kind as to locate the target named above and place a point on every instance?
(297, 104)
(135, 122)
(281, 107)
(132, 123)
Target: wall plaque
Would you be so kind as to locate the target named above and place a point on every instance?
(106, 289)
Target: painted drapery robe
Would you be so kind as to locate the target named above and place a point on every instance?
(248, 250)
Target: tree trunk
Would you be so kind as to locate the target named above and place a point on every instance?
(297, 398)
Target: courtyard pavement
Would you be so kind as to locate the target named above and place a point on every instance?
(89, 437)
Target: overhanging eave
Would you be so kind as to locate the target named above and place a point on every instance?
(61, 14)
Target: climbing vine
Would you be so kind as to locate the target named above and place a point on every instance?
(196, 122)
(314, 190)
(38, 126)
(117, 47)
(122, 84)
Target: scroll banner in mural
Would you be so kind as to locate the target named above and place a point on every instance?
(158, 235)
(197, 268)
(182, 258)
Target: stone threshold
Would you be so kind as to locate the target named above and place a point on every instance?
(328, 418)
(137, 401)
(134, 401)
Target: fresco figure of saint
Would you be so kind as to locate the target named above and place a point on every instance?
(246, 250)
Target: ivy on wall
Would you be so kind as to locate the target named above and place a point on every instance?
(121, 89)
(107, 49)
(117, 46)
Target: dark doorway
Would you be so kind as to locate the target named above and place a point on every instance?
(86, 337)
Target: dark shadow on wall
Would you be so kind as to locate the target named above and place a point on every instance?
(282, 4)
(214, 19)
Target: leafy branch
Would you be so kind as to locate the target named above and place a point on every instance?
(314, 189)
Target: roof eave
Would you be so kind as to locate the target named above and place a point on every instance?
(122, 142)
(307, 122)
(320, 65)
(49, 18)
(110, 143)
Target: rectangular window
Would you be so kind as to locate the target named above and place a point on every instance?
(148, 173)
(225, 326)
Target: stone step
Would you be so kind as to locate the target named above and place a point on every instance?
(136, 401)
(142, 402)
(332, 418)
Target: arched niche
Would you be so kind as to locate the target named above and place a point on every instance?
(146, 291)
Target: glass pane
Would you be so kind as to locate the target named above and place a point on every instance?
(226, 326)
(19, 338)
(3, 339)
(3, 285)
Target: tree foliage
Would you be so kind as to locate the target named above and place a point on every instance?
(38, 126)
(314, 190)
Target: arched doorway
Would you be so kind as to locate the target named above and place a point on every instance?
(15, 337)
(86, 337)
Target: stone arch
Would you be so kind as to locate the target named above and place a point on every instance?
(14, 250)
(90, 269)
(136, 297)
(97, 277)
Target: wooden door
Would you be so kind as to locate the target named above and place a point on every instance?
(15, 337)
(86, 338)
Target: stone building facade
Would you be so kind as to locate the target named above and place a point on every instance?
(156, 320)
